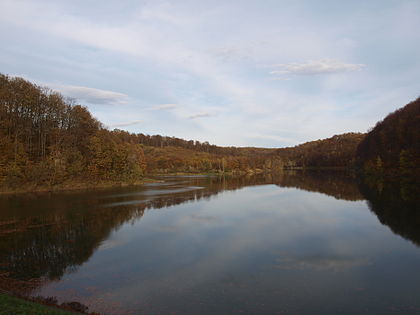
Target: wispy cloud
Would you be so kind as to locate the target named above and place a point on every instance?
(92, 95)
(200, 115)
(164, 107)
(126, 124)
(231, 53)
(314, 67)
(156, 52)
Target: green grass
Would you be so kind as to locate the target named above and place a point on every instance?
(10, 305)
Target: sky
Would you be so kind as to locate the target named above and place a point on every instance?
(243, 73)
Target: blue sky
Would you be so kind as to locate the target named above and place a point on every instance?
(244, 73)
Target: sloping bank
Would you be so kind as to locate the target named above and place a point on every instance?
(13, 305)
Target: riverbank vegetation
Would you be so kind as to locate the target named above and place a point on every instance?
(49, 142)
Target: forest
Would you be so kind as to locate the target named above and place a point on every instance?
(47, 140)
(393, 145)
(338, 151)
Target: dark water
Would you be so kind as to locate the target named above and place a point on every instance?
(292, 243)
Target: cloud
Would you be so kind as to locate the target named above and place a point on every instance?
(314, 67)
(232, 53)
(129, 123)
(200, 115)
(162, 12)
(157, 52)
(92, 95)
(165, 107)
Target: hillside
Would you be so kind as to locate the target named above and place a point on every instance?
(47, 140)
(336, 152)
(393, 145)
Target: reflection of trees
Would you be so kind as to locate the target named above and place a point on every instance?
(397, 205)
(63, 236)
(44, 237)
(48, 246)
(340, 185)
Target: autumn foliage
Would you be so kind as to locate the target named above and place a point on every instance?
(46, 139)
(393, 145)
(338, 151)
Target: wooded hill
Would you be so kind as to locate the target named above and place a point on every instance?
(46, 139)
(49, 140)
(336, 152)
(393, 145)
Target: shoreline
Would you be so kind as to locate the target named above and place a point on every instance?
(75, 186)
(15, 303)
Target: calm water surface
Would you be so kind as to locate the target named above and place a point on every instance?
(293, 243)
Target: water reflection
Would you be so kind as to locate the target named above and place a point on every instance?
(320, 263)
(396, 203)
(229, 245)
(47, 235)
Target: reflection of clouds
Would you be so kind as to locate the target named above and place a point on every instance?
(234, 281)
(205, 218)
(232, 244)
(229, 244)
(111, 244)
(158, 184)
(168, 228)
(185, 222)
(320, 263)
(171, 191)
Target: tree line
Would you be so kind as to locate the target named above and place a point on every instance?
(47, 139)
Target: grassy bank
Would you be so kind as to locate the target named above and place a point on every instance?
(10, 305)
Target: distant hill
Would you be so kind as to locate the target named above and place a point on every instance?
(393, 145)
(336, 152)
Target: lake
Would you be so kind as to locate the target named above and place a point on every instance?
(288, 243)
